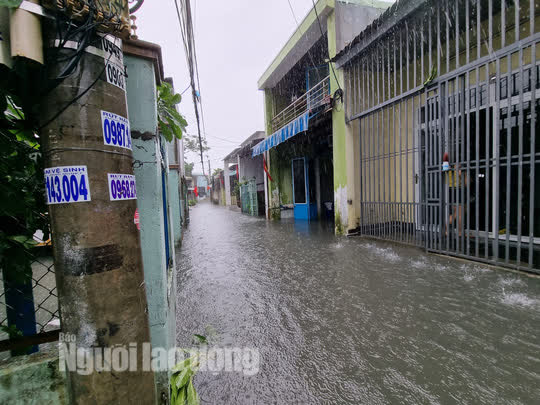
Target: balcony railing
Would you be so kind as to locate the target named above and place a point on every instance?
(317, 96)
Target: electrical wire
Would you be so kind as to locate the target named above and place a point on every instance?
(322, 33)
(73, 101)
(186, 31)
(186, 89)
(298, 28)
(67, 30)
(76, 97)
(222, 139)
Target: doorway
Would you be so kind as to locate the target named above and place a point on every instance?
(305, 207)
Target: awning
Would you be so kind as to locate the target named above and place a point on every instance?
(293, 128)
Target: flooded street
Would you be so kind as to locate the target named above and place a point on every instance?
(353, 321)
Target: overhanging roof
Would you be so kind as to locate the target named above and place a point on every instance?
(302, 39)
(255, 137)
(377, 29)
(246, 145)
(231, 155)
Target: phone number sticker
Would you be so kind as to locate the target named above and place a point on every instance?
(114, 61)
(67, 184)
(122, 187)
(115, 130)
(115, 75)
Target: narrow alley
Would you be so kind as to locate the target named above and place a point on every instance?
(348, 320)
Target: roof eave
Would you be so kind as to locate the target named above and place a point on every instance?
(323, 9)
(377, 29)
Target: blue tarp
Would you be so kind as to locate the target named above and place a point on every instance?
(293, 128)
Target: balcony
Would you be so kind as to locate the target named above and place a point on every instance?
(318, 96)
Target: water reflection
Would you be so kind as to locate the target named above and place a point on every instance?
(340, 320)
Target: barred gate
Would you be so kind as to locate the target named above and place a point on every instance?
(459, 78)
(248, 195)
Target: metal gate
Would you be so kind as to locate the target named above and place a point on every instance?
(248, 195)
(446, 103)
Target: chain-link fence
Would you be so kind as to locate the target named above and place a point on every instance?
(29, 313)
(24, 295)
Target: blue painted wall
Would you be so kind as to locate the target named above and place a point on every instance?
(148, 167)
(174, 204)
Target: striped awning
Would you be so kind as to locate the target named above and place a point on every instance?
(293, 128)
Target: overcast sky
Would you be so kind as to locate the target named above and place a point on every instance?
(236, 41)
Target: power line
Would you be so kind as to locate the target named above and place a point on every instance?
(186, 30)
(294, 15)
(186, 89)
(224, 139)
(322, 33)
(298, 28)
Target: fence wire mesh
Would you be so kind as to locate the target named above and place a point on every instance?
(44, 298)
(29, 310)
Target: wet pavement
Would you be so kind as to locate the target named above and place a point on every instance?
(353, 321)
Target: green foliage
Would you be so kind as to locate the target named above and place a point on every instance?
(217, 171)
(432, 76)
(192, 203)
(236, 189)
(182, 389)
(201, 339)
(22, 206)
(188, 168)
(171, 122)
(12, 331)
(191, 144)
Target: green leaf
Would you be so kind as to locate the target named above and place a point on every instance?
(176, 116)
(30, 243)
(166, 131)
(171, 122)
(181, 397)
(174, 390)
(201, 339)
(432, 75)
(183, 364)
(175, 99)
(22, 239)
(176, 130)
(192, 397)
(183, 377)
(12, 331)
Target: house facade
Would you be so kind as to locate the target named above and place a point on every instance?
(244, 179)
(306, 145)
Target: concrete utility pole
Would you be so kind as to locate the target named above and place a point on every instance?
(92, 200)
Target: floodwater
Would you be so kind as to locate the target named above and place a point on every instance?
(353, 321)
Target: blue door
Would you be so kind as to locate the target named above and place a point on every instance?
(303, 207)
